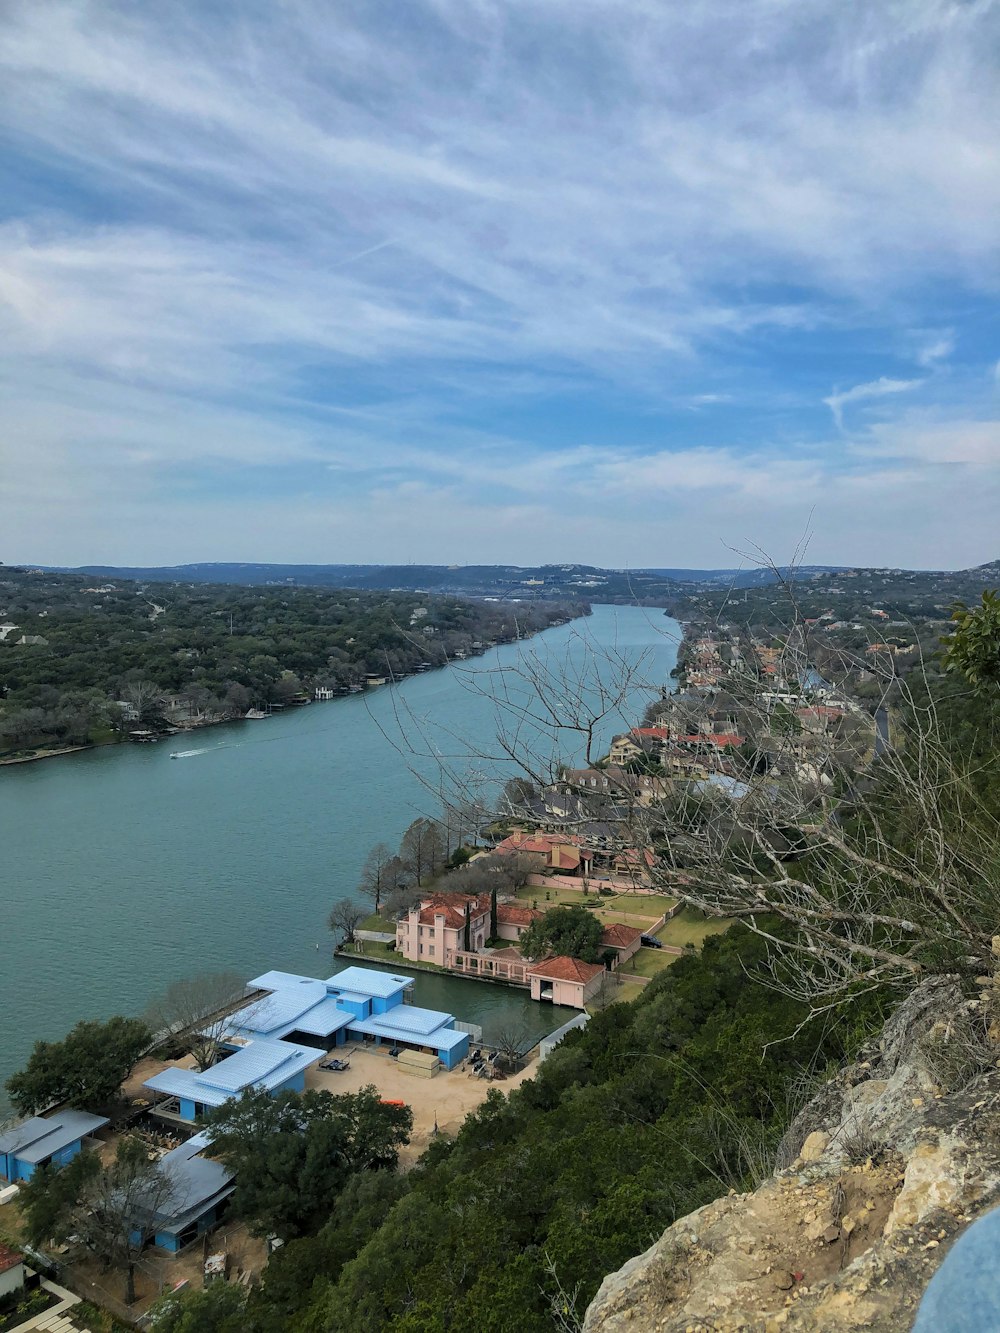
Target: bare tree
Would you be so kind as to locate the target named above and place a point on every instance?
(377, 874)
(194, 1011)
(512, 1043)
(860, 863)
(422, 849)
(344, 918)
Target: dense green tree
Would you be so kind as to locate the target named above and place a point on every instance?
(973, 648)
(564, 930)
(293, 1154)
(86, 1068)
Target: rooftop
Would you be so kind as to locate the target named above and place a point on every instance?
(261, 1063)
(408, 1022)
(369, 982)
(36, 1139)
(9, 1258)
(565, 969)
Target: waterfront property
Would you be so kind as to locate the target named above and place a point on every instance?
(201, 1189)
(440, 923)
(41, 1140)
(292, 1022)
(565, 981)
(277, 1066)
(623, 941)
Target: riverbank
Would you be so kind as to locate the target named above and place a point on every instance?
(145, 869)
(34, 755)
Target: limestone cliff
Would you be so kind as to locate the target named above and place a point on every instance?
(877, 1175)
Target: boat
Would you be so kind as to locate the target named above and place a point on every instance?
(255, 714)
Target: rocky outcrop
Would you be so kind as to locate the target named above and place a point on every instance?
(879, 1173)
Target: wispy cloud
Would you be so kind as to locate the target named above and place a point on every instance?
(507, 251)
(879, 388)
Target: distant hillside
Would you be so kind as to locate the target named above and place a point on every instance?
(525, 582)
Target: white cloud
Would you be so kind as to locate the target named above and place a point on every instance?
(879, 388)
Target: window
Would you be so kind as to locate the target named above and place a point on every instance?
(421, 948)
(430, 950)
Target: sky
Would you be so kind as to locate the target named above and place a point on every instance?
(626, 282)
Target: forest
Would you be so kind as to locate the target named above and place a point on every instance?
(79, 660)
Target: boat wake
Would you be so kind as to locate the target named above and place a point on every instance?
(189, 754)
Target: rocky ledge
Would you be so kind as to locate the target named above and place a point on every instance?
(877, 1175)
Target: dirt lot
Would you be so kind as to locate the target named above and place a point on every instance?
(448, 1097)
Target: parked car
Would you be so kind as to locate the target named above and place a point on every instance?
(651, 942)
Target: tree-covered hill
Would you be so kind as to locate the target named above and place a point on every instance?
(71, 647)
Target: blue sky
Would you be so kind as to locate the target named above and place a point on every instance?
(622, 281)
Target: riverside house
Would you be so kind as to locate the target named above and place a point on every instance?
(438, 924)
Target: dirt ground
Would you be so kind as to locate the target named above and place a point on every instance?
(447, 1098)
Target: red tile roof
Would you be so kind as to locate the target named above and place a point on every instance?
(9, 1258)
(452, 907)
(509, 914)
(617, 936)
(565, 969)
(656, 733)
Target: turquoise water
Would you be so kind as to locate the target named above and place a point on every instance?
(124, 869)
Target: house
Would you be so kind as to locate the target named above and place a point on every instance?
(436, 925)
(624, 941)
(201, 1190)
(566, 981)
(513, 920)
(43, 1139)
(11, 1271)
(548, 853)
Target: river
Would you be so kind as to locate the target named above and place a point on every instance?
(124, 869)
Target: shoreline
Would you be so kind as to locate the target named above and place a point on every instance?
(189, 726)
(53, 754)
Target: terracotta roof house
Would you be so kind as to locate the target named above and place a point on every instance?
(563, 980)
(513, 920)
(557, 852)
(435, 926)
(624, 940)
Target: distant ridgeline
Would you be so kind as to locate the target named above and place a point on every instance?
(523, 582)
(85, 657)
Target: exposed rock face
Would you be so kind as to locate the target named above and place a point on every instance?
(881, 1171)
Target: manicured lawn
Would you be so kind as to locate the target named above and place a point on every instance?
(647, 962)
(376, 922)
(641, 904)
(690, 927)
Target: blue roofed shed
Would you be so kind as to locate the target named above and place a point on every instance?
(57, 1139)
(416, 1029)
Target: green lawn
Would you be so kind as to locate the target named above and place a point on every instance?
(690, 927)
(640, 904)
(376, 922)
(647, 962)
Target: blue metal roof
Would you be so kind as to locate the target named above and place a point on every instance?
(323, 1019)
(264, 1063)
(37, 1139)
(196, 1182)
(404, 1021)
(275, 980)
(368, 981)
(446, 1039)
(279, 1009)
(261, 1063)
